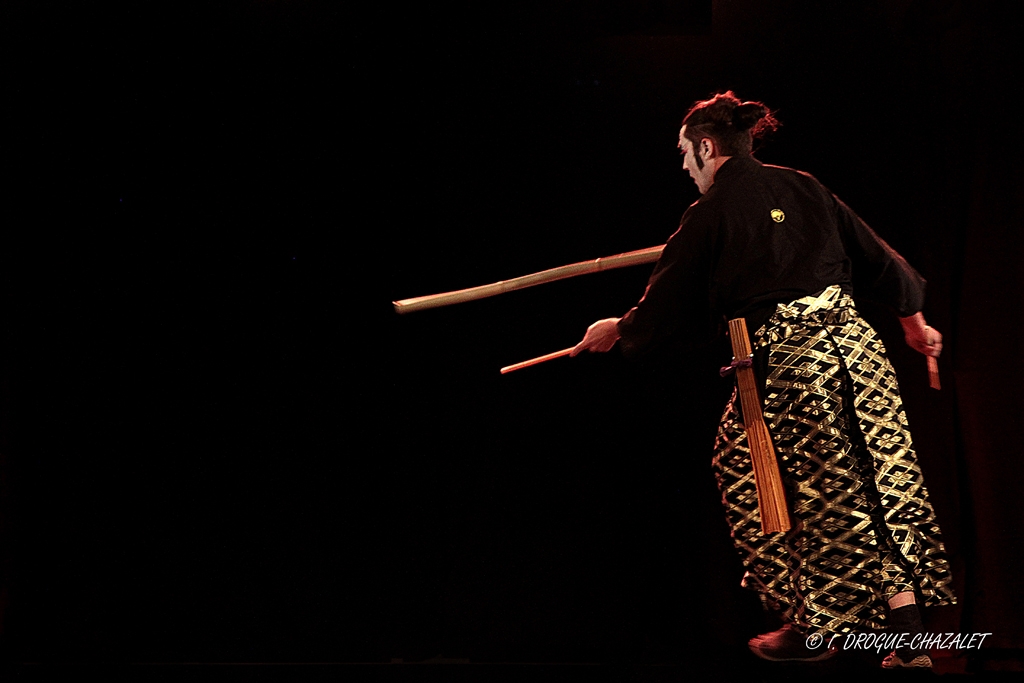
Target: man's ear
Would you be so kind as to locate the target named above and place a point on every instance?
(707, 148)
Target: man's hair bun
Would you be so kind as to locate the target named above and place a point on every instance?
(748, 114)
(731, 123)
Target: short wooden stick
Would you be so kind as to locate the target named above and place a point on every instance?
(933, 373)
(534, 361)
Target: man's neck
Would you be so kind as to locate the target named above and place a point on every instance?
(716, 163)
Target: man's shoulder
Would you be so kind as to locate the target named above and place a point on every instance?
(701, 209)
(699, 218)
(800, 181)
(792, 173)
(740, 173)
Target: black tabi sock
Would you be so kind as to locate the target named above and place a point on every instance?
(907, 619)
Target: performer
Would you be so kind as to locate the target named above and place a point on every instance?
(774, 246)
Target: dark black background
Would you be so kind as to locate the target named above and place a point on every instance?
(221, 444)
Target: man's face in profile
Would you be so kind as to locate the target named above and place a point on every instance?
(701, 173)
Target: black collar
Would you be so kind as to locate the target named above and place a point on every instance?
(735, 166)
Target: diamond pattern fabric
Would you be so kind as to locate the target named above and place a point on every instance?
(863, 527)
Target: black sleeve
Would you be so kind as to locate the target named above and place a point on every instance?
(676, 300)
(879, 273)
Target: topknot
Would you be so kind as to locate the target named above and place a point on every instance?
(732, 124)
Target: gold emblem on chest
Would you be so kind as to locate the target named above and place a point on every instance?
(778, 216)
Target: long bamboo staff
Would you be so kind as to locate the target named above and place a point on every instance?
(771, 496)
(630, 258)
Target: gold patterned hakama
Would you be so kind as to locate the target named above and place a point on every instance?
(863, 528)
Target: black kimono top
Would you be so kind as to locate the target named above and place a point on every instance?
(760, 236)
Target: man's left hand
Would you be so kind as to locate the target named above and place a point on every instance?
(920, 336)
